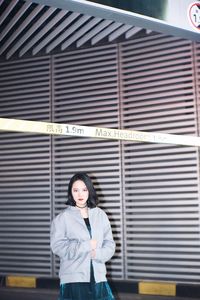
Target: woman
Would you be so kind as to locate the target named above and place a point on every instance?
(81, 236)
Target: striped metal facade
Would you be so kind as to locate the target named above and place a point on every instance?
(161, 182)
(86, 93)
(150, 191)
(25, 169)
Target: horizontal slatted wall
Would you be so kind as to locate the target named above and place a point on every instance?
(197, 68)
(86, 93)
(25, 170)
(160, 181)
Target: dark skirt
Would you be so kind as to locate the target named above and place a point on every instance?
(86, 291)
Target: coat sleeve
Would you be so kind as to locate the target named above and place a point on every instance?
(64, 247)
(107, 250)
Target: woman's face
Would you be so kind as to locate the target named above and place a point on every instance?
(80, 193)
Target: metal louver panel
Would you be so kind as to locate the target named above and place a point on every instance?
(197, 81)
(150, 191)
(86, 93)
(161, 181)
(29, 27)
(25, 179)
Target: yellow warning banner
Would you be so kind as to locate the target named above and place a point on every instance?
(21, 281)
(157, 288)
(96, 132)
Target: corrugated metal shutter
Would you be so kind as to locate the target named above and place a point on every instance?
(25, 177)
(161, 182)
(150, 191)
(197, 80)
(86, 93)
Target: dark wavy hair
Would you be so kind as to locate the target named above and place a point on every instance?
(92, 198)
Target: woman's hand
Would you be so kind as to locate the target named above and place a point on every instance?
(93, 254)
(93, 244)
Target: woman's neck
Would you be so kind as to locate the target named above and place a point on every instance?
(83, 211)
(81, 207)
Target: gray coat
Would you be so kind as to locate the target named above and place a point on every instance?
(70, 240)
